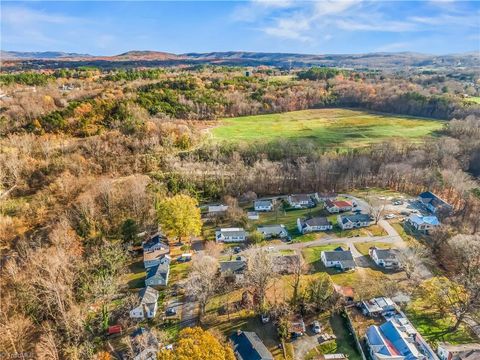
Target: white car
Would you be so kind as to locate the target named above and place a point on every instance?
(390, 216)
(316, 327)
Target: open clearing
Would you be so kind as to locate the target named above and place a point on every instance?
(328, 127)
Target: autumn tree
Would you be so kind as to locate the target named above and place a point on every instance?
(198, 344)
(179, 216)
(202, 282)
(446, 297)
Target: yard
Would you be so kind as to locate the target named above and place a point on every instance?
(436, 327)
(330, 128)
(363, 248)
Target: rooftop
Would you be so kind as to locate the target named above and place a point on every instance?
(248, 346)
(271, 229)
(385, 254)
(316, 221)
(355, 218)
(420, 220)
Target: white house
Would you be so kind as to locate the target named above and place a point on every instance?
(386, 258)
(231, 235)
(338, 258)
(253, 215)
(263, 205)
(353, 221)
(318, 223)
(458, 352)
(273, 231)
(300, 201)
(423, 223)
(147, 309)
(333, 206)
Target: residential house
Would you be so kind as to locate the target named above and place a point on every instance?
(214, 210)
(156, 242)
(273, 231)
(386, 258)
(434, 203)
(300, 201)
(353, 221)
(253, 215)
(231, 235)
(336, 206)
(263, 205)
(318, 223)
(423, 223)
(154, 249)
(248, 346)
(147, 309)
(338, 258)
(378, 306)
(397, 339)
(145, 345)
(234, 270)
(158, 275)
(458, 352)
(286, 264)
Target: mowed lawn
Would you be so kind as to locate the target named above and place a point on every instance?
(330, 127)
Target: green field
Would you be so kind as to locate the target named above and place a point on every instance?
(328, 127)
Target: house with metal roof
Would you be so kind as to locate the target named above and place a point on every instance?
(263, 205)
(353, 221)
(318, 223)
(336, 206)
(230, 235)
(434, 203)
(273, 231)
(158, 275)
(156, 242)
(147, 308)
(385, 258)
(378, 306)
(338, 258)
(248, 346)
(423, 223)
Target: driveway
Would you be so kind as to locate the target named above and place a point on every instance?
(189, 312)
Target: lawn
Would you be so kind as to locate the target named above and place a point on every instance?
(435, 327)
(364, 247)
(329, 127)
(473, 99)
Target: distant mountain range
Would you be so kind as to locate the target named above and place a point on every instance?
(155, 58)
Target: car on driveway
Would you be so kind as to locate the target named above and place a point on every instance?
(171, 311)
(390, 216)
(316, 328)
(265, 318)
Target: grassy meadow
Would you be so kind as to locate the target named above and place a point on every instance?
(327, 127)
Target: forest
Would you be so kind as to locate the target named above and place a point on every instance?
(87, 157)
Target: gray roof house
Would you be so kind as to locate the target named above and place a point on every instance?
(158, 275)
(248, 346)
(156, 242)
(273, 231)
(147, 308)
(386, 258)
(318, 223)
(338, 258)
(233, 269)
(353, 221)
(230, 235)
(263, 205)
(434, 203)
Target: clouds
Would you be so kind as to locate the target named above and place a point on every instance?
(308, 21)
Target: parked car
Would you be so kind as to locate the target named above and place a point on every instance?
(265, 318)
(171, 311)
(398, 202)
(237, 249)
(316, 327)
(390, 216)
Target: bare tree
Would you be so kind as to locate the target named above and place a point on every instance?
(412, 261)
(260, 271)
(202, 282)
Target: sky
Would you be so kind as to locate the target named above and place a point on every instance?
(310, 27)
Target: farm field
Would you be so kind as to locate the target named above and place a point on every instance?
(328, 127)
